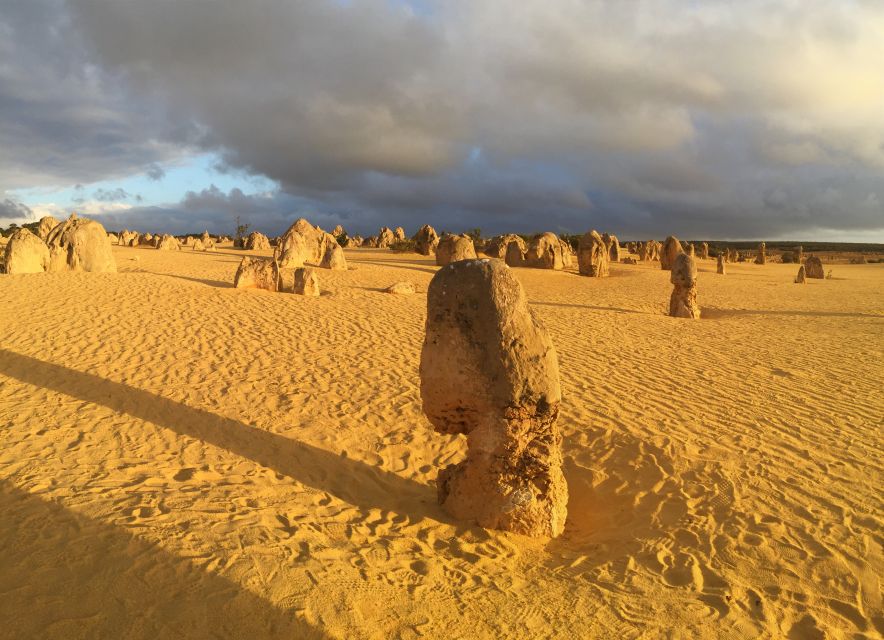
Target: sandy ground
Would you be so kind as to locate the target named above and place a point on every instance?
(182, 459)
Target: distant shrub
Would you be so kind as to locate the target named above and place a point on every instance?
(242, 229)
(788, 257)
(403, 246)
(343, 239)
(475, 234)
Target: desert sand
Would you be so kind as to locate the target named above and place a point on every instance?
(182, 459)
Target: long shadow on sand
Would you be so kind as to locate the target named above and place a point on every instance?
(713, 313)
(585, 306)
(398, 265)
(219, 284)
(350, 480)
(65, 575)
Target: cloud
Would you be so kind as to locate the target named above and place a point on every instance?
(110, 195)
(155, 172)
(64, 119)
(643, 118)
(12, 211)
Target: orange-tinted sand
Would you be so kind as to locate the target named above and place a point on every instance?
(182, 459)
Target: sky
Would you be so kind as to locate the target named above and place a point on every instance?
(758, 119)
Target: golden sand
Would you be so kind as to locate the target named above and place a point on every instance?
(182, 459)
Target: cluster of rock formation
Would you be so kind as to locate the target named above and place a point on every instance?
(545, 252)
(77, 244)
(316, 244)
(300, 245)
(613, 246)
(166, 242)
(489, 371)
(385, 238)
(648, 251)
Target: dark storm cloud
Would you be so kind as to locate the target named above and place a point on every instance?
(62, 118)
(743, 119)
(11, 210)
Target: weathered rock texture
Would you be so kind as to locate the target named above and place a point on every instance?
(47, 224)
(26, 253)
(314, 239)
(78, 244)
(489, 371)
(385, 238)
(683, 302)
(126, 237)
(257, 241)
(761, 257)
(292, 250)
(306, 282)
(613, 246)
(671, 249)
(813, 267)
(207, 240)
(198, 245)
(167, 243)
(721, 261)
(425, 240)
(515, 253)
(799, 254)
(497, 246)
(704, 250)
(338, 231)
(453, 248)
(257, 273)
(801, 277)
(401, 288)
(544, 252)
(399, 233)
(334, 258)
(592, 256)
(567, 253)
